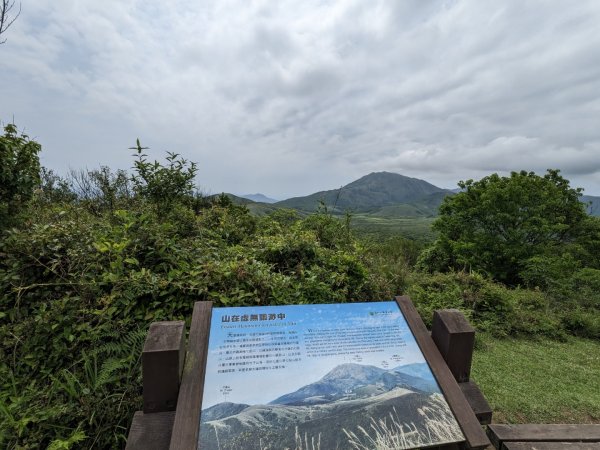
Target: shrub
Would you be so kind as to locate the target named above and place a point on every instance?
(19, 173)
(163, 185)
(490, 306)
(548, 272)
(496, 224)
(582, 322)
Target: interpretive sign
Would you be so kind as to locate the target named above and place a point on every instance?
(329, 376)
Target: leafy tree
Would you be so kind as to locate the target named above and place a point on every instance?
(498, 223)
(19, 173)
(587, 247)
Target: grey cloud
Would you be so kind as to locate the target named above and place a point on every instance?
(293, 97)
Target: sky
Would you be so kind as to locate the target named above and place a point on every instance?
(288, 98)
(304, 321)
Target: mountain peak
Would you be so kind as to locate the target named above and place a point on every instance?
(371, 192)
(352, 381)
(356, 372)
(258, 197)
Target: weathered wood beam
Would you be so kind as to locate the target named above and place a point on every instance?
(455, 339)
(162, 364)
(150, 431)
(503, 434)
(551, 446)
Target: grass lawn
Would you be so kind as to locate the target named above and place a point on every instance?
(417, 228)
(541, 381)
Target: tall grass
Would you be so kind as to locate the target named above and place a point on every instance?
(306, 443)
(301, 442)
(389, 433)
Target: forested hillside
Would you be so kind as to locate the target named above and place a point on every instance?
(87, 262)
(373, 192)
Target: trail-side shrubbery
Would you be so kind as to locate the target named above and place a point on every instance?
(19, 173)
(82, 276)
(77, 289)
(525, 231)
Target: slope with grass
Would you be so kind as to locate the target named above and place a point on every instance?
(539, 380)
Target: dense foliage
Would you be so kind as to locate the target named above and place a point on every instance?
(98, 257)
(87, 262)
(525, 231)
(495, 225)
(19, 173)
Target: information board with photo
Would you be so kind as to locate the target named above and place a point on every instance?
(327, 376)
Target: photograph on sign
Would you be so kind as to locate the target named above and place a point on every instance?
(348, 376)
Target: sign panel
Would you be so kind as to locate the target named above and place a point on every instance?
(347, 376)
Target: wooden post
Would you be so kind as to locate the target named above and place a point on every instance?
(150, 431)
(162, 364)
(455, 338)
(476, 399)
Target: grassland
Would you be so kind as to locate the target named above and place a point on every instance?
(540, 381)
(417, 228)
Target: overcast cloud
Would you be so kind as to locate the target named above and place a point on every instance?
(290, 97)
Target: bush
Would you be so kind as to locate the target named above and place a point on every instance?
(496, 224)
(78, 284)
(584, 286)
(388, 264)
(490, 306)
(19, 174)
(548, 272)
(582, 322)
(163, 185)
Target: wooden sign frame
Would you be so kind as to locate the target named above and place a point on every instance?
(187, 417)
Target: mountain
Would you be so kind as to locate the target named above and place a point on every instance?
(352, 381)
(379, 195)
(420, 370)
(373, 192)
(339, 382)
(592, 204)
(336, 410)
(222, 410)
(261, 198)
(256, 208)
(280, 426)
(236, 199)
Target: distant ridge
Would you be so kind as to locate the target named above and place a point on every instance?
(592, 204)
(382, 195)
(258, 197)
(350, 381)
(373, 192)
